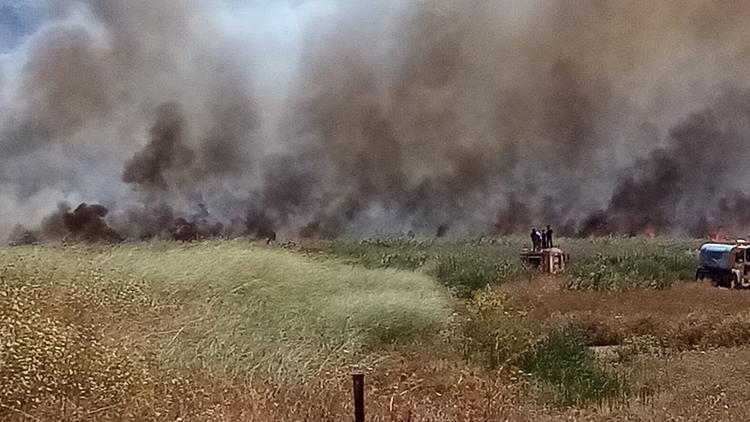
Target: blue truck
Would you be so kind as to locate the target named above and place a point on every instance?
(725, 264)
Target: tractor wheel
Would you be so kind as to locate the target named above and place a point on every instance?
(700, 276)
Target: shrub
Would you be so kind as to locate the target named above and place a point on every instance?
(495, 333)
(634, 270)
(466, 273)
(563, 360)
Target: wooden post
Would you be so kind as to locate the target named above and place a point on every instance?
(359, 397)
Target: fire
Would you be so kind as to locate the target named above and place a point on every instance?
(718, 235)
(184, 231)
(650, 232)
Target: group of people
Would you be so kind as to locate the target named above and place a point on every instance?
(542, 240)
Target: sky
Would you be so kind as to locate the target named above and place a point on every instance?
(18, 19)
(281, 20)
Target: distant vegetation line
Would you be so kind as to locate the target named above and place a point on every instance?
(465, 266)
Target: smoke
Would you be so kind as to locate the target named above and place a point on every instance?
(693, 184)
(164, 152)
(85, 223)
(327, 118)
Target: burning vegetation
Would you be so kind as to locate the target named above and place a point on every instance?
(86, 223)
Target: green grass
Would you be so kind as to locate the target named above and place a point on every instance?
(462, 266)
(556, 355)
(652, 270)
(615, 264)
(563, 360)
(241, 310)
(496, 335)
(466, 266)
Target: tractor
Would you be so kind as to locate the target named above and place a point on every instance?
(725, 264)
(548, 260)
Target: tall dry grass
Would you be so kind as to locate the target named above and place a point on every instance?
(102, 327)
(234, 332)
(685, 316)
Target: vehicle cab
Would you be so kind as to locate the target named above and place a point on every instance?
(550, 260)
(725, 264)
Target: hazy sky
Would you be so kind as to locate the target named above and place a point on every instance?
(19, 18)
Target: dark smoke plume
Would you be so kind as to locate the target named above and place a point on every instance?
(692, 185)
(260, 226)
(382, 116)
(85, 223)
(164, 152)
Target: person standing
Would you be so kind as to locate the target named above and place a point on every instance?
(544, 239)
(536, 239)
(548, 240)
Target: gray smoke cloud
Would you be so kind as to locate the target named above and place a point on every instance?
(326, 118)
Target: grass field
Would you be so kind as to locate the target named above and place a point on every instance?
(465, 266)
(444, 330)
